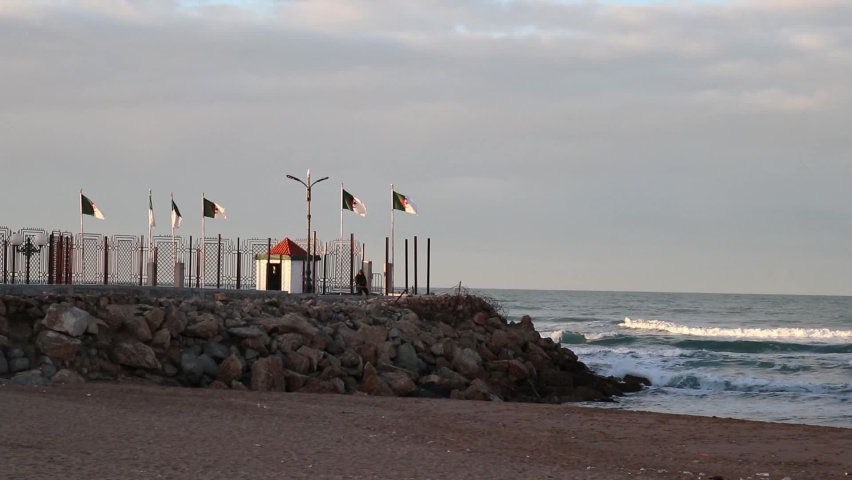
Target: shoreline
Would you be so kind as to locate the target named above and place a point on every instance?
(179, 432)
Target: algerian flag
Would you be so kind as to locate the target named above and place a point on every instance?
(353, 203)
(176, 218)
(88, 207)
(151, 222)
(213, 210)
(401, 202)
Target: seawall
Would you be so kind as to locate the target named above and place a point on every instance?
(455, 346)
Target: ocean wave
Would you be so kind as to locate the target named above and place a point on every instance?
(704, 382)
(569, 337)
(777, 333)
(751, 346)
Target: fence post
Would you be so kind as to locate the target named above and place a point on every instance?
(5, 260)
(106, 260)
(406, 265)
(50, 260)
(141, 258)
(325, 267)
(219, 262)
(69, 260)
(351, 263)
(314, 263)
(415, 264)
(387, 259)
(239, 264)
(428, 262)
(189, 279)
(198, 268)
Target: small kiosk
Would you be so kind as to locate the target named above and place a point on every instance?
(283, 267)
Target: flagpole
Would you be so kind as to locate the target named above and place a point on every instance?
(174, 243)
(393, 263)
(341, 211)
(203, 245)
(82, 243)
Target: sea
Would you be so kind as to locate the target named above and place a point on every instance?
(773, 358)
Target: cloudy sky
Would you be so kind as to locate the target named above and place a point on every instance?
(633, 145)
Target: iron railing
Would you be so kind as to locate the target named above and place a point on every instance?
(123, 259)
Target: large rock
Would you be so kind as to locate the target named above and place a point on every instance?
(400, 383)
(468, 363)
(4, 325)
(206, 326)
(294, 381)
(138, 327)
(94, 325)
(350, 338)
(290, 323)
(162, 339)
(314, 385)
(478, 390)
(58, 346)
(155, 318)
(135, 354)
(30, 378)
(175, 322)
(66, 376)
(298, 363)
(267, 375)
(208, 365)
(249, 332)
(231, 369)
(191, 367)
(313, 355)
(506, 339)
(20, 364)
(374, 334)
(216, 351)
(63, 318)
(515, 370)
(289, 342)
(369, 380)
(406, 357)
(4, 365)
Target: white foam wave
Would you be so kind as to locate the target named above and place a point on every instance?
(771, 333)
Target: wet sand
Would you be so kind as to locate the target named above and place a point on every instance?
(128, 431)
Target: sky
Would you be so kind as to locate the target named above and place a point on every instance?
(698, 146)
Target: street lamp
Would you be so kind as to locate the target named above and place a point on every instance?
(307, 286)
(26, 249)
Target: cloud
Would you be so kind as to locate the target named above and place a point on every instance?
(580, 119)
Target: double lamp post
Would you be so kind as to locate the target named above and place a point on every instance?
(29, 248)
(307, 284)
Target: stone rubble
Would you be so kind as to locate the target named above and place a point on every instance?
(450, 346)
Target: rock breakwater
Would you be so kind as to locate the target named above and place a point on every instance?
(454, 346)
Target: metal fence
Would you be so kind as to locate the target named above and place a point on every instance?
(218, 262)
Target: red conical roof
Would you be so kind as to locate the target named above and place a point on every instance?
(287, 247)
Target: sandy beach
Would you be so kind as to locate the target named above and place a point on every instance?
(132, 430)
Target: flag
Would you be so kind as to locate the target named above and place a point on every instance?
(176, 218)
(354, 204)
(151, 222)
(213, 210)
(401, 202)
(89, 208)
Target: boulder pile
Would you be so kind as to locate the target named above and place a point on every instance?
(453, 346)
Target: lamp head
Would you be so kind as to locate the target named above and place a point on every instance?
(40, 239)
(16, 239)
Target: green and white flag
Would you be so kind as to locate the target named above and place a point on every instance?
(176, 218)
(353, 203)
(213, 210)
(151, 222)
(401, 202)
(87, 207)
